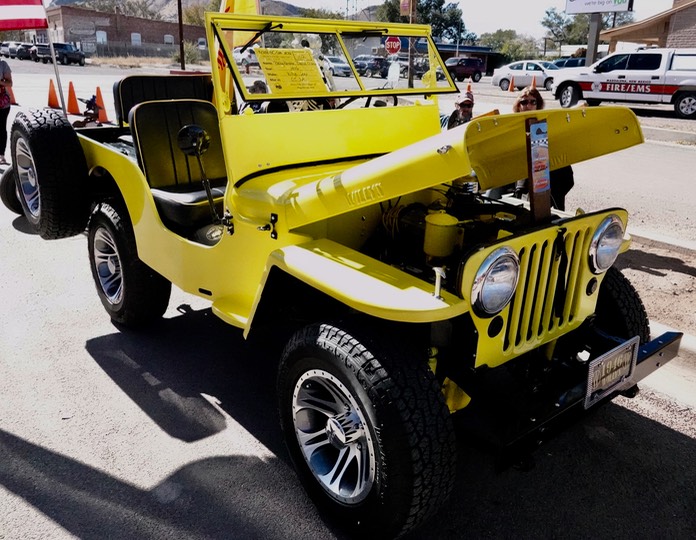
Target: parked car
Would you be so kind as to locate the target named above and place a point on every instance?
(461, 68)
(338, 66)
(67, 53)
(643, 76)
(23, 51)
(570, 62)
(40, 52)
(377, 66)
(8, 49)
(358, 241)
(521, 74)
(245, 59)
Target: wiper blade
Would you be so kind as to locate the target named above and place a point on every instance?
(269, 26)
(365, 33)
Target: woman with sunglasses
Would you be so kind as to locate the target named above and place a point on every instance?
(562, 180)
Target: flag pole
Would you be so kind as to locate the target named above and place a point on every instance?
(55, 68)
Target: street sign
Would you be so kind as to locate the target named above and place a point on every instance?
(392, 44)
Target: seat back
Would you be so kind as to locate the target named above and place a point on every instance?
(155, 127)
(135, 89)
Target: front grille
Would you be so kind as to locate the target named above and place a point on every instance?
(549, 291)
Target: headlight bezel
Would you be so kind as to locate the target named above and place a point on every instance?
(598, 256)
(482, 306)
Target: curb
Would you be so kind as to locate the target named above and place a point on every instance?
(668, 135)
(687, 348)
(661, 241)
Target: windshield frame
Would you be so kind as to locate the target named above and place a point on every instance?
(251, 28)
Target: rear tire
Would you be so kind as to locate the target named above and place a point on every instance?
(8, 192)
(548, 84)
(476, 77)
(132, 293)
(504, 85)
(51, 172)
(367, 428)
(685, 105)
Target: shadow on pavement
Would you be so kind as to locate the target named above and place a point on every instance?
(616, 474)
(651, 263)
(221, 497)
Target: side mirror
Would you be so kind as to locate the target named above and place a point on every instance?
(193, 140)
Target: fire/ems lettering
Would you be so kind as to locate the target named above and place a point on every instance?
(624, 87)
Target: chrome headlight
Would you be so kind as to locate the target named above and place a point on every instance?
(495, 282)
(606, 244)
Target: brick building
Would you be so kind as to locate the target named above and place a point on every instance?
(675, 27)
(112, 34)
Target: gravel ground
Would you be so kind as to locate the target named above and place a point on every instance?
(665, 277)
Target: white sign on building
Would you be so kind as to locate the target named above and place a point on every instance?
(597, 6)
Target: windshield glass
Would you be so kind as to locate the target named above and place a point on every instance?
(293, 58)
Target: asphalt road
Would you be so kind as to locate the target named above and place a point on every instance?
(173, 433)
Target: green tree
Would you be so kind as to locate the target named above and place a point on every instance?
(496, 40)
(563, 28)
(445, 19)
(194, 13)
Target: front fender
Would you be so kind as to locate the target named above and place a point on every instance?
(364, 284)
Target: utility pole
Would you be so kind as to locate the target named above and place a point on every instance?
(593, 38)
(181, 36)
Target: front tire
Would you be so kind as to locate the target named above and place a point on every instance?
(685, 105)
(132, 293)
(568, 96)
(620, 311)
(8, 192)
(51, 173)
(367, 429)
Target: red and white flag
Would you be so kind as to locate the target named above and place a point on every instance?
(22, 15)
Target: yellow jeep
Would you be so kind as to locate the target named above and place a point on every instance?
(335, 211)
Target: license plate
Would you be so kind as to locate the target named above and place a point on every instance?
(610, 370)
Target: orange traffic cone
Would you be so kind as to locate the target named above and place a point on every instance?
(52, 96)
(511, 88)
(13, 101)
(468, 86)
(100, 104)
(73, 107)
(533, 85)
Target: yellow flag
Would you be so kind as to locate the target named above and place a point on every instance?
(234, 39)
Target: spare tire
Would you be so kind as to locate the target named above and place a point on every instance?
(8, 192)
(51, 173)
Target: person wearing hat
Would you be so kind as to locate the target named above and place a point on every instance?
(463, 109)
(257, 87)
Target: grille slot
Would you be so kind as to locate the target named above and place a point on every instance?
(547, 296)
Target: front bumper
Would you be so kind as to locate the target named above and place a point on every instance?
(651, 356)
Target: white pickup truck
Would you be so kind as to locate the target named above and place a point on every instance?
(642, 76)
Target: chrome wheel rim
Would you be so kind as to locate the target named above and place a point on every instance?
(687, 106)
(333, 436)
(567, 96)
(25, 170)
(107, 263)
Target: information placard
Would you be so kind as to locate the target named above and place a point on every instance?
(290, 71)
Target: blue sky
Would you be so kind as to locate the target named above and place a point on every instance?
(481, 16)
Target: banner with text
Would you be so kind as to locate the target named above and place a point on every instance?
(597, 6)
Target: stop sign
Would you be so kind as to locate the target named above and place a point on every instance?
(392, 44)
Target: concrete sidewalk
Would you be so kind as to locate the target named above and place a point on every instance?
(678, 378)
